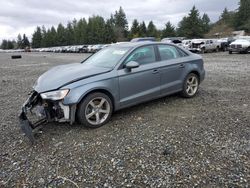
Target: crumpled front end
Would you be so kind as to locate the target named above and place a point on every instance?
(36, 112)
(196, 47)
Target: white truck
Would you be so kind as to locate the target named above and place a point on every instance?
(241, 45)
(204, 45)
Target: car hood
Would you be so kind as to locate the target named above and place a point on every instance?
(63, 75)
(239, 42)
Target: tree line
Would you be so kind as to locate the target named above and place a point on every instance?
(21, 43)
(97, 30)
(240, 19)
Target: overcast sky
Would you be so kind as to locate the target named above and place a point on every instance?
(22, 16)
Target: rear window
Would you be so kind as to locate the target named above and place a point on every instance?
(182, 53)
(168, 52)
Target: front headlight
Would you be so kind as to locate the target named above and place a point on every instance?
(55, 95)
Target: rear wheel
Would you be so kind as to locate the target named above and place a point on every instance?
(190, 86)
(230, 52)
(95, 110)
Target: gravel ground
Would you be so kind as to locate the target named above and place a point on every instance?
(170, 142)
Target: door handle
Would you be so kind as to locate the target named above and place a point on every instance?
(182, 65)
(155, 71)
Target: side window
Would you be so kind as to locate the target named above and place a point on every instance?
(182, 53)
(142, 55)
(168, 52)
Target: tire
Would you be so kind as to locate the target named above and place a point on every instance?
(217, 49)
(190, 86)
(230, 52)
(90, 114)
(248, 50)
(16, 57)
(203, 50)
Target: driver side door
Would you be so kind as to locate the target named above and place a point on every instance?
(142, 83)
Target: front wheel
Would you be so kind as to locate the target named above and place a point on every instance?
(190, 86)
(95, 110)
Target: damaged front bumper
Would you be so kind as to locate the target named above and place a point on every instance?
(36, 112)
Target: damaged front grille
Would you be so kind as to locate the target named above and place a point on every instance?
(234, 46)
(36, 111)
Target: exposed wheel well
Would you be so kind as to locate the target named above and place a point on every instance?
(196, 73)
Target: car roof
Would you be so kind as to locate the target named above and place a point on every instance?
(137, 44)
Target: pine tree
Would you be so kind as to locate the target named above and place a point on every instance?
(7, 44)
(4, 44)
(109, 35)
(61, 35)
(191, 26)
(135, 29)
(96, 30)
(225, 14)
(44, 37)
(205, 23)
(151, 30)
(14, 43)
(19, 41)
(25, 42)
(121, 25)
(70, 34)
(142, 30)
(51, 37)
(10, 44)
(168, 31)
(37, 38)
(242, 18)
(81, 35)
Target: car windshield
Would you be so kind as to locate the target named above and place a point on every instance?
(107, 57)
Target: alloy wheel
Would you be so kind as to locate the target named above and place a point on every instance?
(97, 111)
(192, 85)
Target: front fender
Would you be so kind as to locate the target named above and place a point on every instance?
(78, 93)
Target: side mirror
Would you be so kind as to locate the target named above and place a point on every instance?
(131, 65)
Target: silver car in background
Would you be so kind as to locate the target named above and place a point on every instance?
(114, 78)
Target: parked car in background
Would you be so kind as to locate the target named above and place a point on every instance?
(90, 48)
(187, 44)
(204, 45)
(96, 48)
(143, 39)
(240, 46)
(57, 49)
(83, 49)
(197, 45)
(114, 78)
(224, 43)
(173, 40)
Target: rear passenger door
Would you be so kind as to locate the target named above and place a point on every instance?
(172, 68)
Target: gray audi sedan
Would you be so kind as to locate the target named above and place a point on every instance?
(114, 78)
